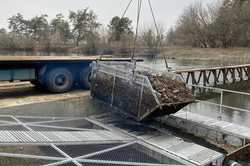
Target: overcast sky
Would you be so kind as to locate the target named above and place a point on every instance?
(167, 11)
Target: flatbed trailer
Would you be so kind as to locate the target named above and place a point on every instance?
(55, 73)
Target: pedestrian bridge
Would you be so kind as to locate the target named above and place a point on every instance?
(215, 76)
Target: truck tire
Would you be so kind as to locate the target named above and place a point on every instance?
(85, 78)
(59, 80)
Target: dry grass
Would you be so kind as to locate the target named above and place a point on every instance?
(207, 53)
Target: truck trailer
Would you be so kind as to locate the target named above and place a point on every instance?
(57, 74)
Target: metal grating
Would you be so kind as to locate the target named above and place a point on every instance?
(12, 161)
(102, 164)
(39, 150)
(78, 141)
(80, 150)
(68, 164)
(135, 153)
(51, 141)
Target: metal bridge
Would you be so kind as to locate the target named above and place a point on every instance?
(215, 76)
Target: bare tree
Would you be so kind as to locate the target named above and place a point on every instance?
(84, 23)
(153, 39)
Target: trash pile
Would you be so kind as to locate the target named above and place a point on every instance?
(141, 94)
(171, 91)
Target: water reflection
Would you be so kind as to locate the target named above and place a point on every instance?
(229, 115)
(176, 64)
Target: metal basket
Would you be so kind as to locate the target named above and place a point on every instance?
(125, 87)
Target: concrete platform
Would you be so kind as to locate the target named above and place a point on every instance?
(213, 129)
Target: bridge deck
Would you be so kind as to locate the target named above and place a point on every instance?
(213, 68)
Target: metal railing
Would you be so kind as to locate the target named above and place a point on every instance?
(221, 106)
(221, 92)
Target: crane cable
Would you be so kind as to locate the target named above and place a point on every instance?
(159, 37)
(139, 7)
(137, 27)
(124, 13)
(159, 42)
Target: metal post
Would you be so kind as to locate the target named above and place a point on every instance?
(187, 113)
(221, 104)
(221, 101)
(141, 95)
(113, 89)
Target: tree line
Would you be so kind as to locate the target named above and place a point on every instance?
(223, 24)
(79, 32)
(220, 25)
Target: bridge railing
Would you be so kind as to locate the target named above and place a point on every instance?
(216, 76)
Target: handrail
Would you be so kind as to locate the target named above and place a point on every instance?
(219, 89)
(222, 92)
(212, 68)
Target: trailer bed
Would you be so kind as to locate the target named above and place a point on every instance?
(59, 58)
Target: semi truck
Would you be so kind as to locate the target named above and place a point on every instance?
(57, 74)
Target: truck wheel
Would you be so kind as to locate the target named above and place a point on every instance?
(59, 80)
(85, 78)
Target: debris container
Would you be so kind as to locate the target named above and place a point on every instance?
(140, 92)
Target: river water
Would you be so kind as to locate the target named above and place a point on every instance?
(229, 99)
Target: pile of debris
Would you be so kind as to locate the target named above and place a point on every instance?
(170, 91)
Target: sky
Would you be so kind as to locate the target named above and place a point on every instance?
(166, 11)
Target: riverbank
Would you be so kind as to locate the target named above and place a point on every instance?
(207, 53)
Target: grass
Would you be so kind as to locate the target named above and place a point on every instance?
(207, 53)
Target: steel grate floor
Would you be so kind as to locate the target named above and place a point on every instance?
(134, 153)
(29, 141)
